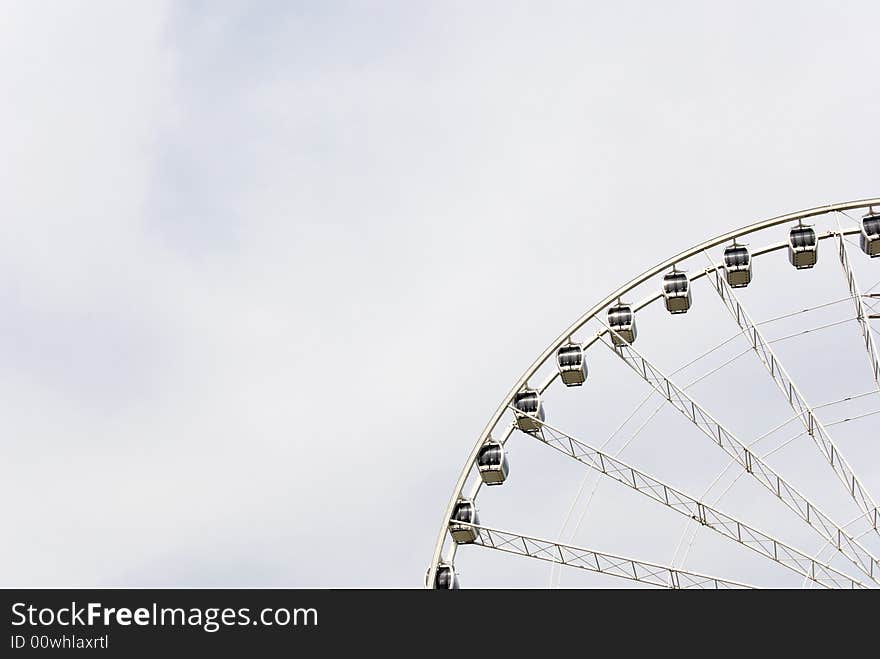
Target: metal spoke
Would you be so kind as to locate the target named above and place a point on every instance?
(861, 313)
(754, 443)
(663, 576)
(796, 400)
(685, 504)
(757, 468)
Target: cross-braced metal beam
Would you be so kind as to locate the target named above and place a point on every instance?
(685, 504)
(663, 576)
(590, 314)
(802, 409)
(866, 562)
(862, 314)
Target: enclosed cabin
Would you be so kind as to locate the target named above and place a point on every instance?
(445, 577)
(572, 365)
(870, 236)
(737, 266)
(463, 516)
(803, 247)
(622, 320)
(492, 463)
(528, 402)
(676, 291)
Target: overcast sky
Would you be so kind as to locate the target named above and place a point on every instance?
(267, 268)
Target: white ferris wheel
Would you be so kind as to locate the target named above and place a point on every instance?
(712, 423)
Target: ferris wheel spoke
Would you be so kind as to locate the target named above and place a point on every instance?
(732, 463)
(862, 314)
(692, 508)
(594, 561)
(802, 409)
(827, 528)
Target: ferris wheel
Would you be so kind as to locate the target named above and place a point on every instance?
(609, 463)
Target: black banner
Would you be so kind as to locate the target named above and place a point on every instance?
(126, 623)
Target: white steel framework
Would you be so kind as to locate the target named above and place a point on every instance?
(687, 505)
(468, 484)
(663, 576)
(802, 409)
(861, 312)
(866, 562)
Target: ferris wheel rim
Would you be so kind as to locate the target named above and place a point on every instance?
(565, 337)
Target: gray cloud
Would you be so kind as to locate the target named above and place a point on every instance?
(267, 270)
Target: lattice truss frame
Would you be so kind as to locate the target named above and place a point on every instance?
(653, 574)
(844, 538)
(685, 504)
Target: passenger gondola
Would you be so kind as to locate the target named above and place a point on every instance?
(466, 512)
(870, 236)
(803, 247)
(528, 402)
(445, 577)
(622, 320)
(572, 365)
(492, 463)
(737, 266)
(676, 291)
